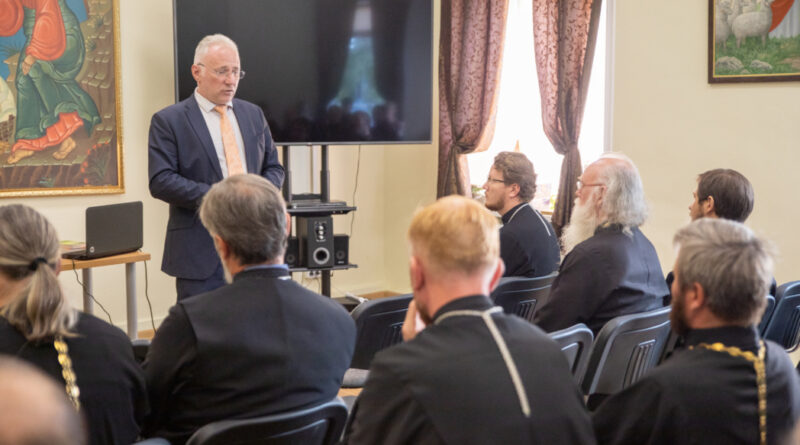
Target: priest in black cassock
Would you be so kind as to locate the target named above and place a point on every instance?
(467, 373)
(726, 385)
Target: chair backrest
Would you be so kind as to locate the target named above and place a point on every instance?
(319, 425)
(522, 296)
(625, 348)
(769, 309)
(379, 325)
(575, 342)
(784, 325)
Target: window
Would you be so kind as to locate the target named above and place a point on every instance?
(518, 124)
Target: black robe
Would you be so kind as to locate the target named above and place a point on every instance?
(700, 396)
(450, 385)
(528, 243)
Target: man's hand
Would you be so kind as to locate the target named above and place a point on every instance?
(27, 63)
(413, 323)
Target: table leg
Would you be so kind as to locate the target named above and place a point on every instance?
(130, 294)
(326, 283)
(88, 306)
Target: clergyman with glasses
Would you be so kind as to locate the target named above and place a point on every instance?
(196, 143)
(610, 268)
(528, 243)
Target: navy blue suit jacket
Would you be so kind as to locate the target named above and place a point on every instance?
(184, 165)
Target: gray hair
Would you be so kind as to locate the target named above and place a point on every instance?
(730, 262)
(29, 250)
(209, 41)
(249, 214)
(35, 408)
(624, 201)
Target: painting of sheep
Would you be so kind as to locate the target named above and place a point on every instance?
(753, 40)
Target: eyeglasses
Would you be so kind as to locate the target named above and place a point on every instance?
(490, 179)
(225, 72)
(581, 184)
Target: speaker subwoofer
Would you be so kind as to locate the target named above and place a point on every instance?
(315, 235)
(341, 250)
(292, 255)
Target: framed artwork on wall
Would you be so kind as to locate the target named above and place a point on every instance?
(60, 121)
(753, 40)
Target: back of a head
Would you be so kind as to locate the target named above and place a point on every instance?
(517, 169)
(249, 214)
(624, 202)
(35, 410)
(455, 235)
(732, 192)
(29, 251)
(730, 262)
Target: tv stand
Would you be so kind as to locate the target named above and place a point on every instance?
(312, 204)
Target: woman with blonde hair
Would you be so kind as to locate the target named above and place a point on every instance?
(91, 359)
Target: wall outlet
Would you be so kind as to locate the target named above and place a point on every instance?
(313, 274)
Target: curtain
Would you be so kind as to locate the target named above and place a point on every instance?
(470, 51)
(564, 34)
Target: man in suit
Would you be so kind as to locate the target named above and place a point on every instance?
(196, 143)
(726, 385)
(260, 345)
(610, 268)
(528, 243)
(473, 374)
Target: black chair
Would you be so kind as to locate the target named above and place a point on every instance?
(379, 324)
(784, 325)
(575, 342)
(522, 296)
(769, 309)
(140, 347)
(625, 349)
(320, 425)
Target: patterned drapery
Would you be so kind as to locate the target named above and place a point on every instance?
(470, 51)
(564, 34)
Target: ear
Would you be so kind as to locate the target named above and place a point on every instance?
(499, 270)
(195, 71)
(708, 207)
(694, 297)
(288, 223)
(58, 266)
(416, 274)
(513, 190)
(222, 247)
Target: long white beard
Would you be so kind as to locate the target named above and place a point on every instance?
(582, 224)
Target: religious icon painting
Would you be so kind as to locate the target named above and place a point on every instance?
(60, 122)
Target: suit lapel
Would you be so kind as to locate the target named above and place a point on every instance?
(198, 124)
(248, 137)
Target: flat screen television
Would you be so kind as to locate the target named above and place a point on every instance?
(323, 71)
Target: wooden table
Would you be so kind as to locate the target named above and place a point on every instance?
(129, 260)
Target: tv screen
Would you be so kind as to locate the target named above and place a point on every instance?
(323, 71)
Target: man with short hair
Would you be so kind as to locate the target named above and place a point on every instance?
(726, 385)
(610, 268)
(722, 193)
(196, 143)
(35, 410)
(262, 344)
(472, 375)
(528, 243)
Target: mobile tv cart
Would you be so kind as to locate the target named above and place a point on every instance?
(319, 207)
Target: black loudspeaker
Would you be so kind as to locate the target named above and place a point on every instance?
(341, 250)
(292, 256)
(315, 235)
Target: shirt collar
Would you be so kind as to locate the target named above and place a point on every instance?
(205, 104)
(745, 338)
(471, 302)
(271, 270)
(507, 216)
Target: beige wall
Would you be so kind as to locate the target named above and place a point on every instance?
(675, 125)
(392, 181)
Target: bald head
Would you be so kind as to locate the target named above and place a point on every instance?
(35, 410)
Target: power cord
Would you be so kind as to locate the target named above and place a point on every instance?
(147, 297)
(355, 188)
(86, 291)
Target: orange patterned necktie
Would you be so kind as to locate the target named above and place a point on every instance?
(232, 157)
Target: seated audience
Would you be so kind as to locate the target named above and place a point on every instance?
(528, 243)
(610, 268)
(726, 385)
(722, 193)
(92, 360)
(262, 344)
(473, 375)
(35, 410)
